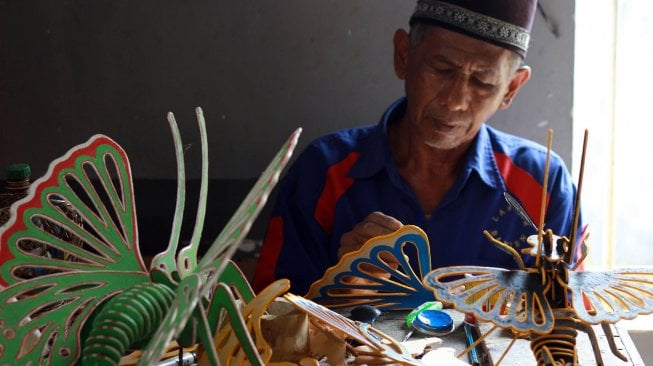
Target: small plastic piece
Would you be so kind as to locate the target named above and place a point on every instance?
(433, 323)
(365, 314)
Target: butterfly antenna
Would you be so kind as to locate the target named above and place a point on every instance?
(543, 205)
(187, 260)
(574, 226)
(166, 259)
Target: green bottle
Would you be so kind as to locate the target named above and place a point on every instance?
(17, 182)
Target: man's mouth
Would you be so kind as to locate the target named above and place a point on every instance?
(444, 125)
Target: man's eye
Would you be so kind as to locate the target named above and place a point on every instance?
(483, 84)
(442, 68)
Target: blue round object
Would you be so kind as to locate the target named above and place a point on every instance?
(433, 322)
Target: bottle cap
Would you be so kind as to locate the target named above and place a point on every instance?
(18, 172)
(433, 322)
(429, 305)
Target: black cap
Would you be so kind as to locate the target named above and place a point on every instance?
(17, 172)
(506, 23)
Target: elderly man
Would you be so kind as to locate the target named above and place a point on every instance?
(431, 161)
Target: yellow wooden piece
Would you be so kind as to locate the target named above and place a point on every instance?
(228, 346)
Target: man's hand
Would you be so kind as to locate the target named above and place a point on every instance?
(375, 224)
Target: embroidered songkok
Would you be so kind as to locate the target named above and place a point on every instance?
(506, 23)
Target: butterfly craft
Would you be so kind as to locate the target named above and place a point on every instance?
(379, 274)
(551, 300)
(101, 300)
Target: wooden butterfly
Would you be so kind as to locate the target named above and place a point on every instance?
(101, 299)
(550, 300)
(379, 274)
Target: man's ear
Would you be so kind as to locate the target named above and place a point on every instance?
(401, 43)
(518, 80)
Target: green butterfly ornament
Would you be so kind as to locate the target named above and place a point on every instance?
(101, 300)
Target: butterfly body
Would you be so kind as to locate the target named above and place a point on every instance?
(127, 318)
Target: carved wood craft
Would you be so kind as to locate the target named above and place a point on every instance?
(379, 274)
(103, 301)
(550, 301)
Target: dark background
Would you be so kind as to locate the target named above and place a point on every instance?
(259, 69)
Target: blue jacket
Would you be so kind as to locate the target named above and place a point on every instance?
(342, 177)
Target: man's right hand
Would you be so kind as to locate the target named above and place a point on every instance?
(375, 224)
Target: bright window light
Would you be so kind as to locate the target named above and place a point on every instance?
(613, 86)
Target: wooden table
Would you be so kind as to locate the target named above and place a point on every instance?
(393, 324)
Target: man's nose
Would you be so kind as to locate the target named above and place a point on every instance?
(455, 96)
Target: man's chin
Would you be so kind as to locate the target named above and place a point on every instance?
(442, 143)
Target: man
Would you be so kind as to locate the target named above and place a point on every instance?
(431, 161)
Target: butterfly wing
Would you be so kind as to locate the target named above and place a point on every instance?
(508, 298)
(92, 180)
(611, 295)
(42, 318)
(216, 258)
(379, 274)
(81, 218)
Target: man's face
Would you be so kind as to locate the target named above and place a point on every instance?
(453, 84)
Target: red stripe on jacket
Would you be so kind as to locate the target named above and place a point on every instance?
(522, 184)
(336, 184)
(267, 263)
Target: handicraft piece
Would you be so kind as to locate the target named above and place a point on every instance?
(313, 331)
(378, 343)
(550, 301)
(102, 301)
(379, 274)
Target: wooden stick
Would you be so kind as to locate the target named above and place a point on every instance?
(477, 342)
(574, 227)
(505, 352)
(543, 206)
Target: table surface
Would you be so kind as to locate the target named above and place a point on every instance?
(392, 323)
